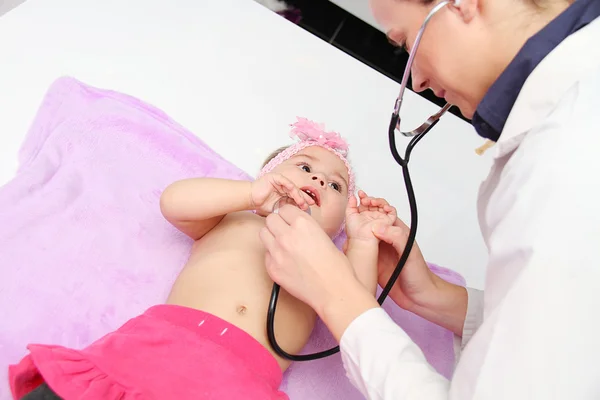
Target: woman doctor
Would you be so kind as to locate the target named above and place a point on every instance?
(527, 72)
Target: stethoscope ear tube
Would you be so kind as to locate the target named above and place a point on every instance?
(273, 340)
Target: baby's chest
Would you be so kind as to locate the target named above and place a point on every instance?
(237, 231)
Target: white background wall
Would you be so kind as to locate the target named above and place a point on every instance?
(7, 5)
(237, 75)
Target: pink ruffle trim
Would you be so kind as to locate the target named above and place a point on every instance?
(68, 373)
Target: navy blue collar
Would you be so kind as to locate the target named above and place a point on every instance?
(493, 111)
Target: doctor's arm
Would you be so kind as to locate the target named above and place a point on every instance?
(540, 336)
(419, 290)
(381, 360)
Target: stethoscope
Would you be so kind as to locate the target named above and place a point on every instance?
(416, 135)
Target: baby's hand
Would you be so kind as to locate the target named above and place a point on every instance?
(270, 188)
(361, 218)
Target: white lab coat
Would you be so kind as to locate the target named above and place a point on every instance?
(535, 333)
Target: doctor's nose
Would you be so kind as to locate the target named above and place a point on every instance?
(319, 179)
(419, 83)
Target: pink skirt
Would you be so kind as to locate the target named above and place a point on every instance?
(169, 352)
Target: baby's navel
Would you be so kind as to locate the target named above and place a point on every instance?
(242, 310)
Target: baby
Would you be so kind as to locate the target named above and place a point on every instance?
(209, 340)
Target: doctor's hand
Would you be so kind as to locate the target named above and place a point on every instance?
(416, 282)
(303, 260)
(418, 289)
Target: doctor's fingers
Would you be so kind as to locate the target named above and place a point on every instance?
(276, 225)
(400, 224)
(275, 255)
(271, 261)
(395, 235)
(293, 215)
(267, 238)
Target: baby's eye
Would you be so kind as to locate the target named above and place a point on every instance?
(305, 168)
(336, 186)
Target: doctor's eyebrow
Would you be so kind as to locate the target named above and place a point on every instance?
(394, 42)
(401, 44)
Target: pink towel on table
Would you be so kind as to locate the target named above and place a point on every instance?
(84, 247)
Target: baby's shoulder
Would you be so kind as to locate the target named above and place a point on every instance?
(237, 227)
(242, 218)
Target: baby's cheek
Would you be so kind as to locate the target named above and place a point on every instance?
(332, 216)
(340, 211)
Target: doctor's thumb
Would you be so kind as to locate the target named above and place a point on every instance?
(394, 235)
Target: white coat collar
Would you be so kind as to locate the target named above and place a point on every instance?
(570, 61)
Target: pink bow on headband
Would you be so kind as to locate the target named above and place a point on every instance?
(305, 129)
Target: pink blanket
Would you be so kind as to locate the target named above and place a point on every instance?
(83, 246)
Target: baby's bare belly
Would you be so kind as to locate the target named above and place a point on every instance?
(225, 276)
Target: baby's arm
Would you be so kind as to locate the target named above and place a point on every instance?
(195, 206)
(362, 246)
(363, 258)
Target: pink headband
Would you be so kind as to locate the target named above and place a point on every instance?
(310, 133)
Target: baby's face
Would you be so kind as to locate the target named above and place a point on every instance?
(319, 171)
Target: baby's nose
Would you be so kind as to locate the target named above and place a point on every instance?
(320, 180)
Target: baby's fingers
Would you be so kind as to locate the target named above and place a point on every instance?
(352, 203)
(379, 202)
(309, 199)
(369, 201)
(284, 183)
(302, 199)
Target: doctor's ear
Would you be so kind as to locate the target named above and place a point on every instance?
(467, 9)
